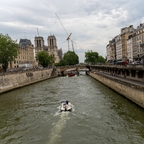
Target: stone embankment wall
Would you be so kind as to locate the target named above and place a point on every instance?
(10, 81)
(131, 91)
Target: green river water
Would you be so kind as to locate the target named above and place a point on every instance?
(29, 115)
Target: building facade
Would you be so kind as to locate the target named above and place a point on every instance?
(128, 45)
(111, 50)
(140, 40)
(125, 33)
(129, 49)
(26, 54)
(108, 52)
(51, 49)
(60, 53)
(39, 44)
(118, 47)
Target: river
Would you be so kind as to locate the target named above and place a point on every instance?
(29, 115)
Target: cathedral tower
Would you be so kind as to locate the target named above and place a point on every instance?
(52, 47)
(39, 44)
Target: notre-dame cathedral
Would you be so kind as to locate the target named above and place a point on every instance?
(51, 49)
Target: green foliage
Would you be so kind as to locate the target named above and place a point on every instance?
(9, 50)
(91, 57)
(44, 58)
(61, 63)
(101, 59)
(71, 58)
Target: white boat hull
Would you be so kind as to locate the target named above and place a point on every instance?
(65, 107)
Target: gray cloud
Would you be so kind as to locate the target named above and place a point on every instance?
(92, 22)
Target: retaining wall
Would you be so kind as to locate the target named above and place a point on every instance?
(12, 81)
(133, 92)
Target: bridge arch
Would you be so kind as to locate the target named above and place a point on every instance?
(64, 69)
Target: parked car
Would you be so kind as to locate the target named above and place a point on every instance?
(120, 62)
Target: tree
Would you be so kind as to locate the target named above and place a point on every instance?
(61, 63)
(44, 58)
(101, 59)
(91, 57)
(71, 58)
(9, 50)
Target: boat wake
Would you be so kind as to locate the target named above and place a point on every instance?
(58, 127)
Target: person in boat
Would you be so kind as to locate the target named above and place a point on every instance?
(63, 106)
(68, 105)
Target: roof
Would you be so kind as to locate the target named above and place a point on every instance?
(24, 42)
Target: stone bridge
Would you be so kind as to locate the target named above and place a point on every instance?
(131, 71)
(64, 69)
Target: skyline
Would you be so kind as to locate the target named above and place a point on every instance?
(93, 23)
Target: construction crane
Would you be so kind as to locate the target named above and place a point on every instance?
(68, 38)
(73, 44)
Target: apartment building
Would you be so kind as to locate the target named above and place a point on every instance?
(118, 47)
(108, 52)
(129, 48)
(140, 40)
(134, 45)
(26, 54)
(129, 44)
(125, 33)
(111, 49)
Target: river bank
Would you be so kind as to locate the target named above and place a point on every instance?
(133, 90)
(10, 81)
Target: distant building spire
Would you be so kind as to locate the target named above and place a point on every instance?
(37, 32)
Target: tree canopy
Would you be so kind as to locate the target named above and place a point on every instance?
(61, 63)
(101, 59)
(71, 58)
(93, 57)
(9, 50)
(44, 59)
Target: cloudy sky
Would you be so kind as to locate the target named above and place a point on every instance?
(92, 22)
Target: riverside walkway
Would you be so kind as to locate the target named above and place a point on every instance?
(127, 80)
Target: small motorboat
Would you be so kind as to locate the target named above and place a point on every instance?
(71, 74)
(65, 106)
